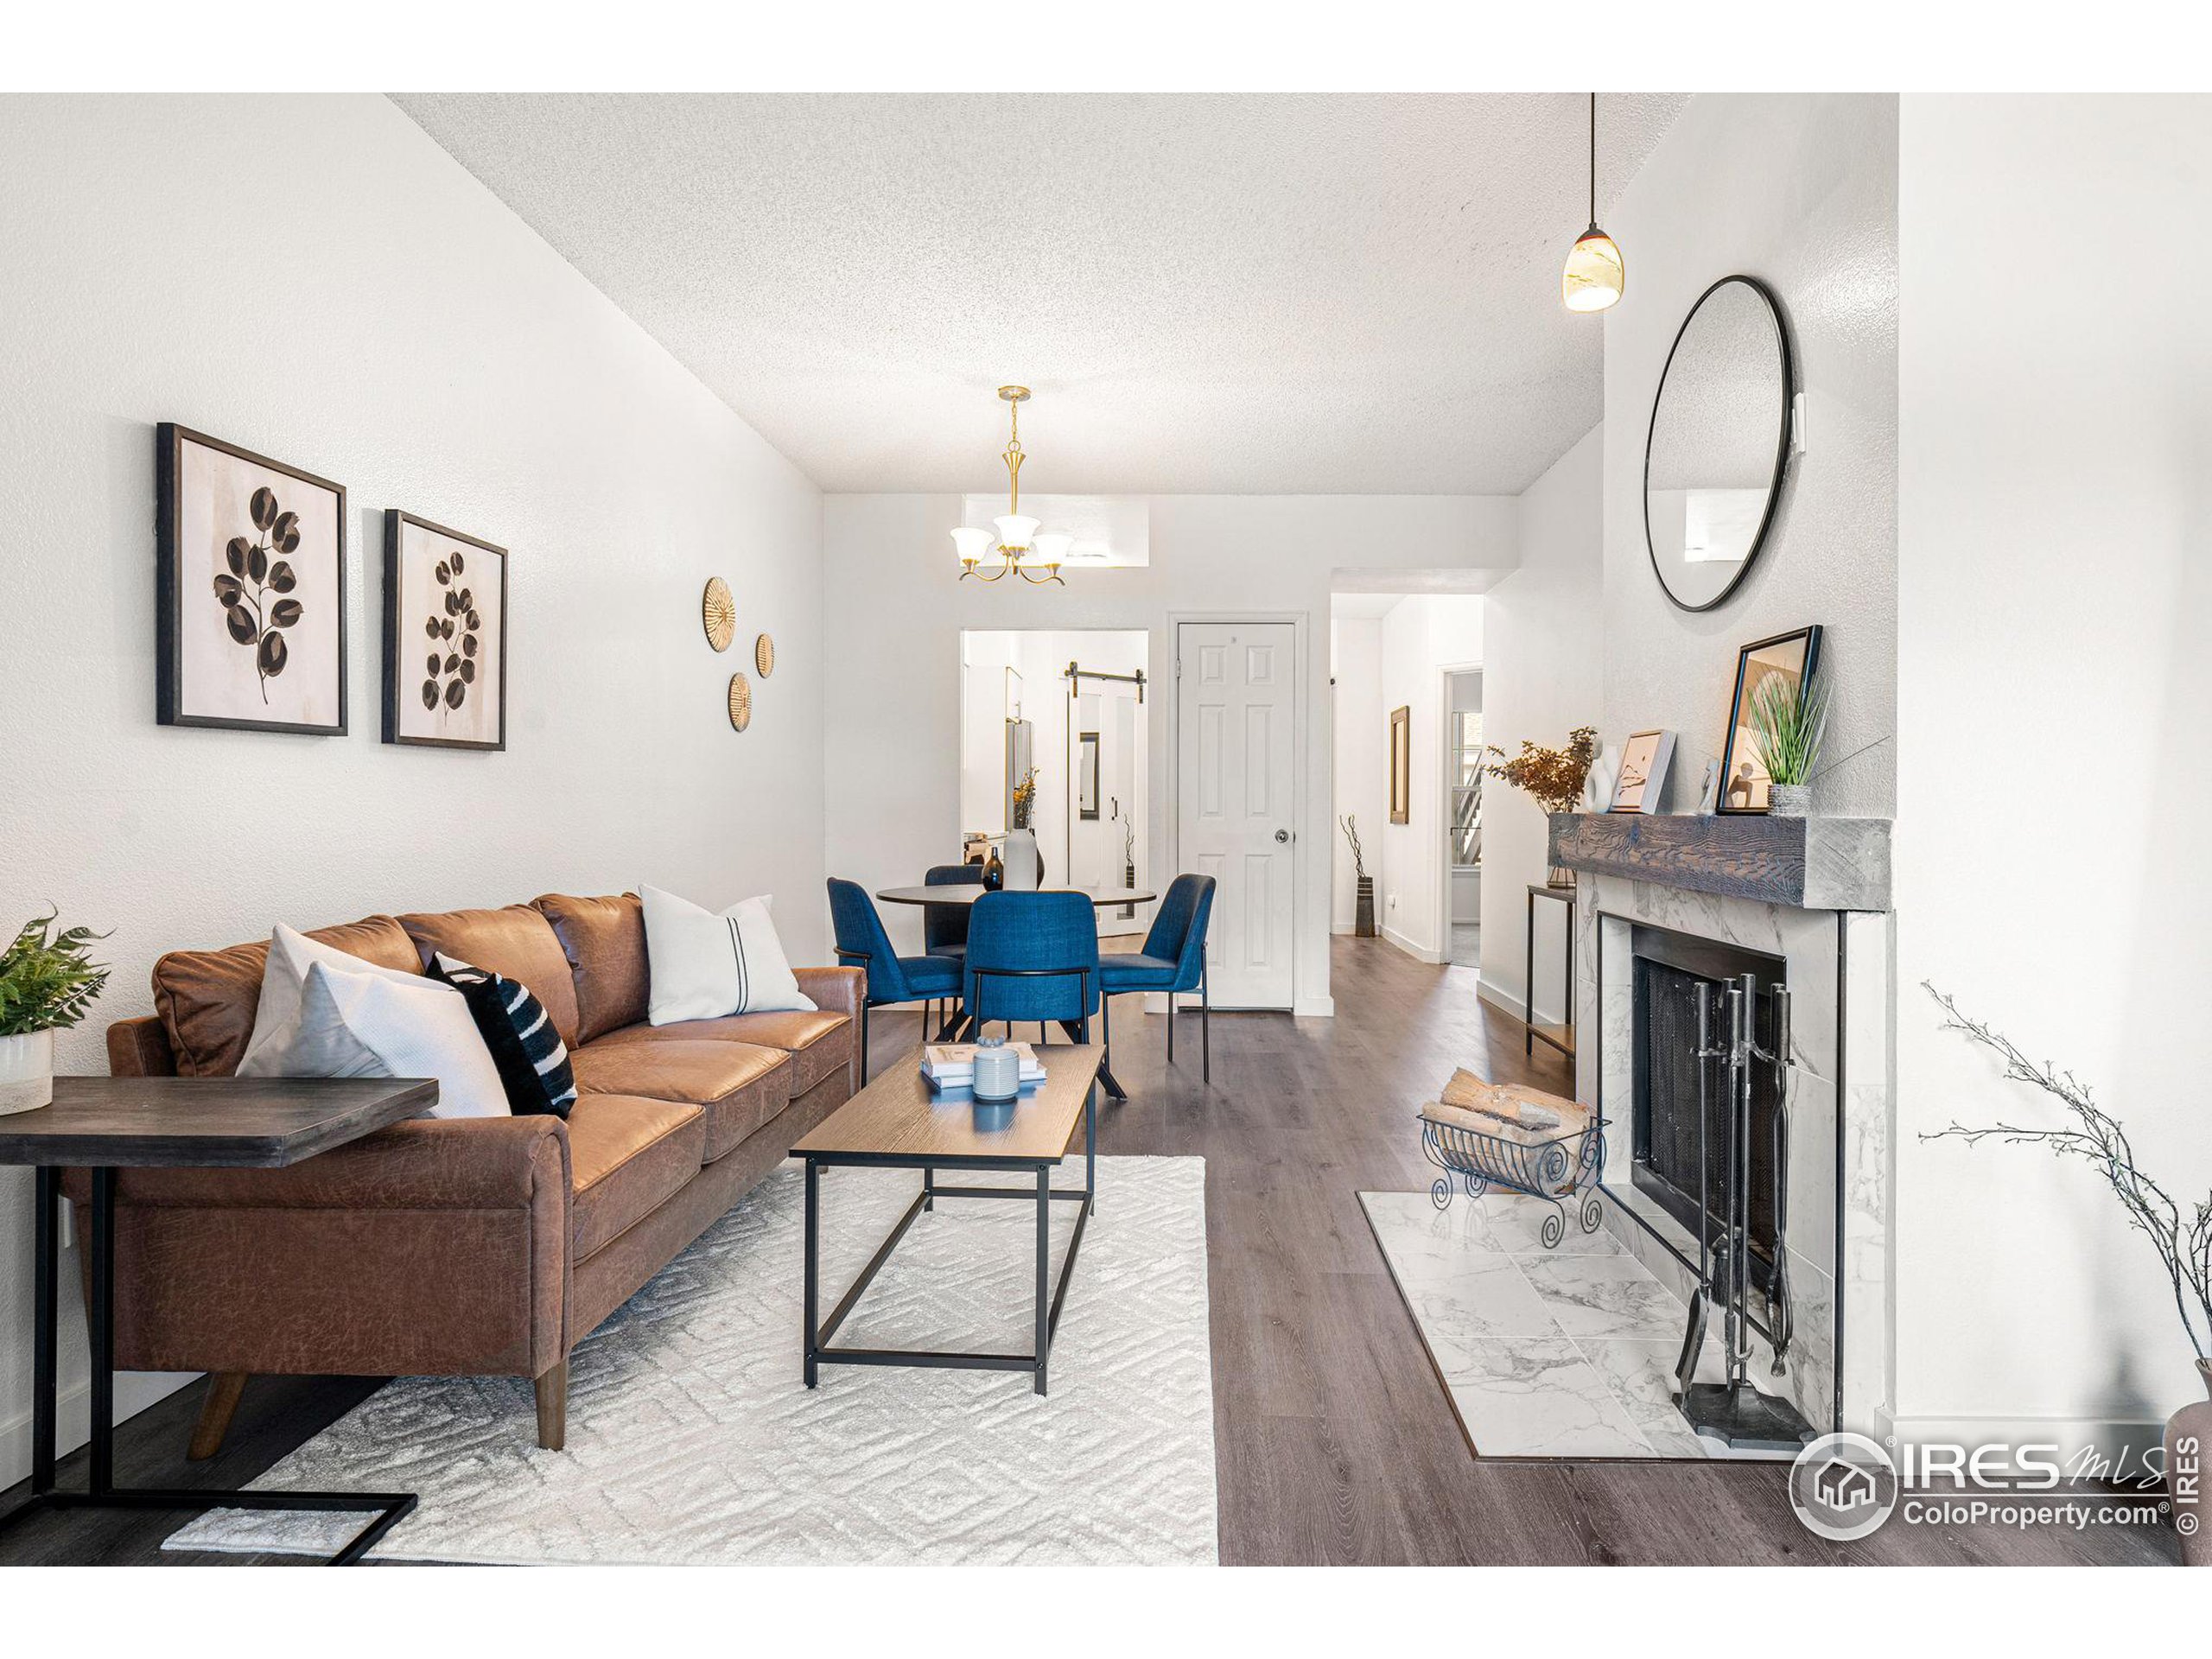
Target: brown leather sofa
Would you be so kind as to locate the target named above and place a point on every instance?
(466, 1245)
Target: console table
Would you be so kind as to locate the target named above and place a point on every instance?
(106, 1124)
(1561, 1036)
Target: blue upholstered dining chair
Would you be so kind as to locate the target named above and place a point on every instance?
(944, 927)
(863, 943)
(1032, 955)
(1173, 960)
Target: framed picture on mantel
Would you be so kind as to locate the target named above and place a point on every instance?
(1642, 783)
(1794, 657)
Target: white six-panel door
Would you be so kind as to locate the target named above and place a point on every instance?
(1236, 813)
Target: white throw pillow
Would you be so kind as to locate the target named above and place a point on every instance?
(291, 955)
(384, 1024)
(701, 965)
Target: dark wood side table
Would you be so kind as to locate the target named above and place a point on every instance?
(110, 1123)
(1561, 1036)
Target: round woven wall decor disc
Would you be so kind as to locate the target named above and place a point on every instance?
(718, 613)
(740, 702)
(763, 656)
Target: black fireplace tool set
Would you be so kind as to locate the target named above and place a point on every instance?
(1737, 1412)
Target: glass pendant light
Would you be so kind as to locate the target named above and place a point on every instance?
(1595, 273)
(1013, 538)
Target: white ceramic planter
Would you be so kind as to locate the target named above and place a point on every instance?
(26, 1071)
(1789, 800)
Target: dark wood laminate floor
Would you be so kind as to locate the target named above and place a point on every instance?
(1334, 1441)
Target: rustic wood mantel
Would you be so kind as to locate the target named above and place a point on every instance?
(1807, 863)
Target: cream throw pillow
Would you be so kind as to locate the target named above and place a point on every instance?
(383, 1025)
(701, 964)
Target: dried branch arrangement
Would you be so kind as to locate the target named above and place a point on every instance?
(1351, 824)
(1554, 776)
(2183, 1243)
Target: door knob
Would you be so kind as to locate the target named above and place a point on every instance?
(1282, 834)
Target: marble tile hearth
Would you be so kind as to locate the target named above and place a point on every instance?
(1566, 1352)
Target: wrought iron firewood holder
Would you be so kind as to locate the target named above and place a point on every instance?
(1554, 1170)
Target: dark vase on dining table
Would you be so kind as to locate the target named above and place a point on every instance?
(994, 872)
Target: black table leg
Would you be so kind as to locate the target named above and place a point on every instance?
(102, 1493)
(1074, 1029)
(1044, 1272)
(46, 1217)
(810, 1367)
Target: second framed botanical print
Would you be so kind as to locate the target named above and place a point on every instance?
(445, 637)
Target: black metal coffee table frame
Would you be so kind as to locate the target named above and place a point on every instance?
(1050, 1295)
(101, 1491)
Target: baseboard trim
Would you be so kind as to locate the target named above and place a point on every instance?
(1509, 1000)
(1417, 952)
(134, 1392)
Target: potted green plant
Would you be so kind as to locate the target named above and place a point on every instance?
(2181, 1232)
(1787, 728)
(48, 980)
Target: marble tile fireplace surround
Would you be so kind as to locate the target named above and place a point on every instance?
(1805, 902)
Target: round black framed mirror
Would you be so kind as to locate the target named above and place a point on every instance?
(1718, 445)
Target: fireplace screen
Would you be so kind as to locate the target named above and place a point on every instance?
(1671, 974)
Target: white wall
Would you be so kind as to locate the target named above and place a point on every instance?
(1800, 190)
(2055, 597)
(315, 279)
(1363, 761)
(1541, 678)
(1423, 634)
(897, 608)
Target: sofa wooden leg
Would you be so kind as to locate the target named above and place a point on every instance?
(216, 1411)
(553, 1408)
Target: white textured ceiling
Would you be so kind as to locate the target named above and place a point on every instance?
(1233, 293)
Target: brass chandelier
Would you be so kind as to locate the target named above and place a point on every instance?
(1016, 544)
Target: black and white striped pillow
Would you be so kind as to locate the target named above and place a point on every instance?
(533, 1062)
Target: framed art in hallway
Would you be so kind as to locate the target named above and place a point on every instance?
(1745, 783)
(250, 590)
(1401, 765)
(1642, 785)
(445, 637)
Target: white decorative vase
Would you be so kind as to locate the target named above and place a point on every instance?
(26, 1071)
(1020, 861)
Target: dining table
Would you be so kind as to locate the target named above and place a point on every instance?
(967, 892)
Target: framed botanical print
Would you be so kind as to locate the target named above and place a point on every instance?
(1794, 657)
(1645, 759)
(445, 637)
(250, 590)
(1401, 765)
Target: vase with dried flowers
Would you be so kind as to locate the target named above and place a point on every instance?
(1363, 921)
(2182, 1237)
(1024, 865)
(1553, 778)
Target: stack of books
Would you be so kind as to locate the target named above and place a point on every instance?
(952, 1065)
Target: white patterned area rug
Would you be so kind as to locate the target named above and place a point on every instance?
(692, 1440)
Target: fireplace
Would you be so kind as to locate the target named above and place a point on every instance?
(1674, 1118)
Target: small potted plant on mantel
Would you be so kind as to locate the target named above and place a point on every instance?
(1553, 778)
(1787, 728)
(2180, 1231)
(47, 981)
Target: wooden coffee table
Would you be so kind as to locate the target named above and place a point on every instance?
(896, 1123)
